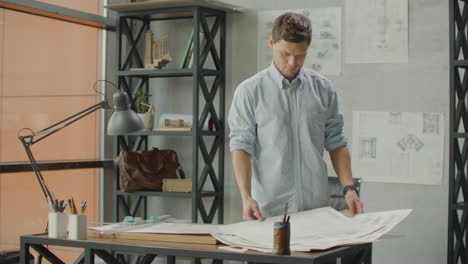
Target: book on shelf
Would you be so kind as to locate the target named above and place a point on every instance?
(189, 57)
(202, 46)
(187, 51)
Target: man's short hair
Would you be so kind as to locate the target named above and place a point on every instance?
(292, 27)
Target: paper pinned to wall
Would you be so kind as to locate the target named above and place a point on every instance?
(398, 147)
(376, 31)
(324, 54)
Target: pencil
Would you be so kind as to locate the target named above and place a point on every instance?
(285, 213)
(74, 211)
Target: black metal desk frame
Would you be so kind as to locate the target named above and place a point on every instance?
(105, 249)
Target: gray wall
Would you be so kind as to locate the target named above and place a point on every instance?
(420, 85)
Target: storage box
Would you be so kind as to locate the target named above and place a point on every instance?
(177, 185)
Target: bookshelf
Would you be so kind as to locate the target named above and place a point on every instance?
(208, 20)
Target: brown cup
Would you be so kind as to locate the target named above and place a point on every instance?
(281, 237)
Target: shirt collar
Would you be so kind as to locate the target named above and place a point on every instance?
(282, 82)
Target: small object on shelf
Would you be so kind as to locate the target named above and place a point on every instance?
(175, 121)
(148, 49)
(156, 56)
(148, 117)
(177, 185)
(145, 109)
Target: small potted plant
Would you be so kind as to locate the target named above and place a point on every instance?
(145, 110)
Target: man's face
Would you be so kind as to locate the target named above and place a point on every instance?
(288, 57)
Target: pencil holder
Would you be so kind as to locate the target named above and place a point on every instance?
(77, 227)
(281, 237)
(57, 225)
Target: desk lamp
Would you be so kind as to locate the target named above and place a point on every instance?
(123, 120)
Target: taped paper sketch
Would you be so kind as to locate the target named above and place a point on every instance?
(376, 31)
(367, 148)
(398, 147)
(324, 54)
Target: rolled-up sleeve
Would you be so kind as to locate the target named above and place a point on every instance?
(242, 122)
(334, 135)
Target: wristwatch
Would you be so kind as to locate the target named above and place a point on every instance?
(347, 188)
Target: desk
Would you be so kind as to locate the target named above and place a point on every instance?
(104, 248)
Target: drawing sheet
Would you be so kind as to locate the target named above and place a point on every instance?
(319, 229)
(398, 147)
(324, 54)
(376, 31)
(316, 229)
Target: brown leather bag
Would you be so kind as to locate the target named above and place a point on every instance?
(145, 170)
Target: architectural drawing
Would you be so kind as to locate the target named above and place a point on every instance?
(367, 148)
(430, 123)
(324, 54)
(398, 147)
(376, 31)
(410, 142)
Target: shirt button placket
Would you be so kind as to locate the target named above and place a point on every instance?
(296, 144)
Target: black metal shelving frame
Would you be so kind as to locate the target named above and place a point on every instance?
(458, 182)
(131, 26)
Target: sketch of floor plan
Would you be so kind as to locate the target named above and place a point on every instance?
(376, 31)
(398, 147)
(324, 54)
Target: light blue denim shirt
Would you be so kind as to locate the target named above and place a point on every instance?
(285, 127)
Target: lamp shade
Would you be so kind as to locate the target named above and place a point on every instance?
(124, 120)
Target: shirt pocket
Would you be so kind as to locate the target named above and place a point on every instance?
(314, 129)
(272, 123)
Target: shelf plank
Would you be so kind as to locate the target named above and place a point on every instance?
(174, 133)
(161, 4)
(169, 194)
(9, 167)
(155, 73)
(154, 193)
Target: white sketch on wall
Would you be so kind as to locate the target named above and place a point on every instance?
(367, 148)
(396, 147)
(431, 123)
(376, 31)
(410, 142)
(395, 118)
(324, 54)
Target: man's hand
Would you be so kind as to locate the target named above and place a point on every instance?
(353, 202)
(251, 210)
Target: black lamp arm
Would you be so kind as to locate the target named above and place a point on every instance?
(52, 129)
(29, 140)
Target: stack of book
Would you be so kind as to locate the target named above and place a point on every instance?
(187, 60)
(177, 185)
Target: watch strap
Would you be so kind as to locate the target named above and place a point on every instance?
(349, 187)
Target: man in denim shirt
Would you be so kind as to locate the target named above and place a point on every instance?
(281, 120)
